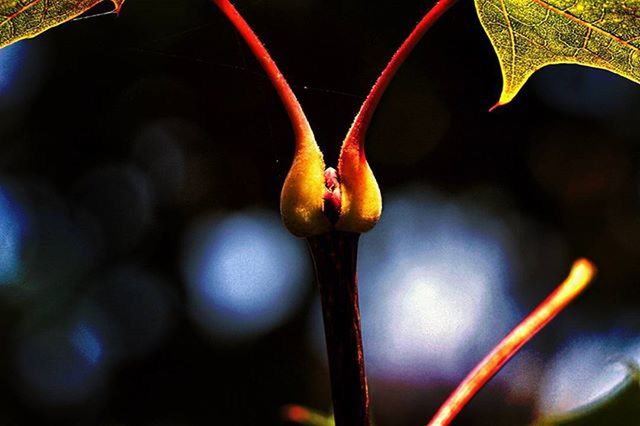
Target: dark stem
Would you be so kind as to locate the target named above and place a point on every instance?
(335, 256)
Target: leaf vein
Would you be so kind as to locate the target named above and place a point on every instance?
(584, 23)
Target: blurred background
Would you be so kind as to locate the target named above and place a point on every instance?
(145, 278)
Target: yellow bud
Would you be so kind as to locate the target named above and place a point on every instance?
(315, 201)
(361, 199)
(301, 200)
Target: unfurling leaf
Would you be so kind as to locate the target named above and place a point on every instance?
(20, 19)
(530, 34)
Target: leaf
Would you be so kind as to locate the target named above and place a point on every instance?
(530, 34)
(620, 407)
(21, 19)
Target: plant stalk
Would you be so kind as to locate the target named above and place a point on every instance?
(335, 257)
(358, 131)
(579, 278)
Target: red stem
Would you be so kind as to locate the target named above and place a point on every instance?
(294, 110)
(581, 274)
(359, 128)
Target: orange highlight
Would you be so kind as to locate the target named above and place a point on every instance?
(296, 413)
(579, 278)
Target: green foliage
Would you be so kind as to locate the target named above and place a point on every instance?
(530, 34)
(21, 19)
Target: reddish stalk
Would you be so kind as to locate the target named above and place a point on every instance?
(335, 253)
(335, 259)
(580, 276)
(298, 119)
(358, 131)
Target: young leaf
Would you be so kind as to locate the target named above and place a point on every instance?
(530, 34)
(20, 19)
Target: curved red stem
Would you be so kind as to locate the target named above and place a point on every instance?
(298, 119)
(359, 128)
(580, 276)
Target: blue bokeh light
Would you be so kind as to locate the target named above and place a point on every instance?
(584, 370)
(159, 153)
(106, 190)
(584, 91)
(21, 75)
(11, 61)
(63, 364)
(434, 285)
(245, 274)
(13, 224)
(136, 308)
(86, 343)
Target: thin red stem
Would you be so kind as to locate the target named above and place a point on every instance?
(581, 274)
(294, 110)
(358, 130)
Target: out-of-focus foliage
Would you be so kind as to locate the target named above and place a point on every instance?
(306, 416)
(620, 407)
(20, 19)
(530, 34)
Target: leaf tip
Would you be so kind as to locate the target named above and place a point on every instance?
(505, 97)
(495, 106)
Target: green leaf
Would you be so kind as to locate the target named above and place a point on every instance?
(20, 19)
(530, 34)
(620, 407)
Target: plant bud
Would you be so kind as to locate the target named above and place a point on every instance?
(316, 200)
(302, 197)
(361, 204)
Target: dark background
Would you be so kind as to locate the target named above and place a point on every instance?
(73, 119)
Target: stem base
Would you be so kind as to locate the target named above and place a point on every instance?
(335, 259)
